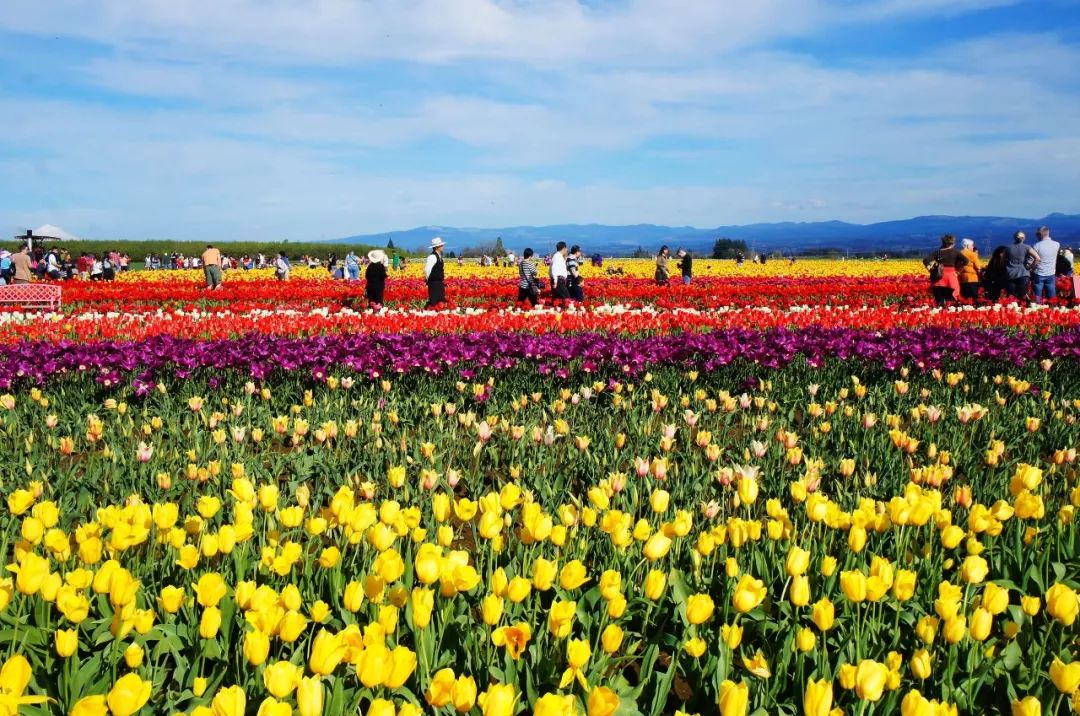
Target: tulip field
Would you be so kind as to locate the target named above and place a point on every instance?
(783, 489)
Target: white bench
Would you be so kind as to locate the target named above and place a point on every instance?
(31, 295)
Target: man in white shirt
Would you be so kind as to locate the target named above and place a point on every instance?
(560, 276)
(1046, 269)
(433, 274)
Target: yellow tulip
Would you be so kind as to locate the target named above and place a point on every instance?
(463, 694)
(515, 638)
(699, 608)
(758, 665)
(602, 702)
(133, 656)
(655, 583)
(543, 574)
(817, 701)
(870, 678)
(1066, 677)
(573, 575)
(805, 640)
(67, 642)
(1062, 603)
(380, 707)
(611, 638)
(823, 614)
(498, 700)
(272, 707)
(310, 696)
(90, 706)
(853, 585)
(210, 622)
(230, 701)
(256, 647)
(210, 589)
(694, 647)
(129, 694)
(800, 591)
(281, 678)
(402, 666)
(995, 599)
(920, 664)
(554, 705)
(974, 569)
(981, 624)
(441, 688)
(327, 651)
(1028, 706)
(749, 593)
(734, 698)
(423, 603)
(656, 547)
(797, 562)
(904, 585)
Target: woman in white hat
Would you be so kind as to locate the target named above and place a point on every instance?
(375, 278)
(433, 274)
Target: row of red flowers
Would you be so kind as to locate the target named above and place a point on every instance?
(704, 292)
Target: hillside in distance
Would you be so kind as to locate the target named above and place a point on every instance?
(919, 233)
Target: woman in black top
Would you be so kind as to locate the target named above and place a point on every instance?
(375, 278)
(528, 284)
(943, 263)
(994, 274)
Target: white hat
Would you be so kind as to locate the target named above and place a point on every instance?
(437, 242)
(377, 256)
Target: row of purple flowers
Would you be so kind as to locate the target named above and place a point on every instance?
(375, 355)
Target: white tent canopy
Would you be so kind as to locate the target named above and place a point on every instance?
(48, 231)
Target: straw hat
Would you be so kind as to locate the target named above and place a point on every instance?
(377, 256)
(437, 242)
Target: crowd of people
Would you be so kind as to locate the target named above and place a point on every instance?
(957, 273)
(56, 264)
(1018, 270)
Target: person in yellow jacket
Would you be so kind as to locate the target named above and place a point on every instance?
(969, 272)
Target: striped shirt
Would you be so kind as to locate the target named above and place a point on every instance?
(572, 265)
(527, 274)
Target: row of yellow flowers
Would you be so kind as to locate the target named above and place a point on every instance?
(634, 268)
(506, 547)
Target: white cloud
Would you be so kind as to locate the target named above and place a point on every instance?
(237, 138)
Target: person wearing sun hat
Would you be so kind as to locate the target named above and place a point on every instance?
(433, 274)
(375, 278)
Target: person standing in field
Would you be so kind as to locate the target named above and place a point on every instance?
(20, 261)
(1018, 257)
(528, 284)
(433, 274)
(211, 262)
(662, 258)
(352, 265)
(1045, 284)
(686, 266)
(944, 265)
(560, 277)
(969, 273)
(282, 266)
(573, 271)
(375, 278)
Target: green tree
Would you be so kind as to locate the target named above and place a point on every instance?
(727, 248)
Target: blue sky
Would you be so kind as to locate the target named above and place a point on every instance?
(308, 119)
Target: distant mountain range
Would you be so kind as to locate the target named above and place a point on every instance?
(919, 233)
